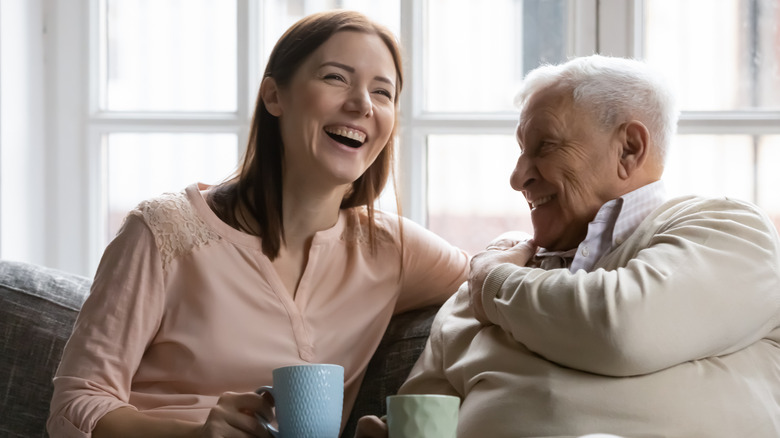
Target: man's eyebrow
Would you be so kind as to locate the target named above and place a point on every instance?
(352, 70)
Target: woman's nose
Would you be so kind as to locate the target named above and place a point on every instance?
(359, 102)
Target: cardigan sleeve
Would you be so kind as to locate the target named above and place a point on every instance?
(428, 376)
(704, 283)
(433, 269)
(116, 324)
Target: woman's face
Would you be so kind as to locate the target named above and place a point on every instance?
(338, 111)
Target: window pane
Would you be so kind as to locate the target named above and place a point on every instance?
(711, 165)
(769, 176)
(470, 201)
(475, 56)
(170, 55)
(279, 15)
(141, 166)
(728, 60)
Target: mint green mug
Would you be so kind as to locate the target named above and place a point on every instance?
(308, 401)
(422, 416)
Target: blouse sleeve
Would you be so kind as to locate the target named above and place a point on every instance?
(433, 269)
(116, 324)
(707, 284)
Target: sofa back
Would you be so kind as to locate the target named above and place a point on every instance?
(38, 307)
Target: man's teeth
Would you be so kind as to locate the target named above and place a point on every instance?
(348, 133)
(541, 201)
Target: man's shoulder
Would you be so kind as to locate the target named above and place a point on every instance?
(697, 205)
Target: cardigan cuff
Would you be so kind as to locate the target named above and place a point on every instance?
(492, 286)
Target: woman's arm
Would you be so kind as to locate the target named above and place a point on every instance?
(433, 269)
(234, 415)
(128, 423)
(116, 324)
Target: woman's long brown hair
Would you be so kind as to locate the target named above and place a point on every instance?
(257, 185)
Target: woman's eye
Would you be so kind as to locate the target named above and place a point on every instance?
(335, 76)
(385, 93)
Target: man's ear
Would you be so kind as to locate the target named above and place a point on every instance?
(269, 92)
(634, 149)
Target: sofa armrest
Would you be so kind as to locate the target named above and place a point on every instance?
(399, 349)
(38, 307)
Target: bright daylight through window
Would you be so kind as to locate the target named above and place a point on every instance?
(168, 86)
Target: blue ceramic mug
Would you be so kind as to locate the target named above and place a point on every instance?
(308, 401)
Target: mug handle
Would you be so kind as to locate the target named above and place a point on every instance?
(263, 421)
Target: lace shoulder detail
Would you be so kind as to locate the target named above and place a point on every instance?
(176, 228)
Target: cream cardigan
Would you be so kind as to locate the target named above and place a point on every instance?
(673, 334)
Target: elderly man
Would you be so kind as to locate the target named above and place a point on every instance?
(627, 313)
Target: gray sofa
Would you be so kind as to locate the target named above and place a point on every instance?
(39, 306)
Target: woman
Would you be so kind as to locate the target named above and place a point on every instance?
(203, 293)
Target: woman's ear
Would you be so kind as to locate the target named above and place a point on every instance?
(269, 92)
(635, 148)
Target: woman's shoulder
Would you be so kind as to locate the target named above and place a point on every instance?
(175, 224)
(390, 228)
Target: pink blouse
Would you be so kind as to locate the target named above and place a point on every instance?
(184, 307)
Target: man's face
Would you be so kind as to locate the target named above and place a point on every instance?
(568, 167)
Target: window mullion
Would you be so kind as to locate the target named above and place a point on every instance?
(248, 50)
(618, 28)
(584, 28)
(412, 187)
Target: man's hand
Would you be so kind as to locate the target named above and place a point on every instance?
(371, 427)
(512, 247)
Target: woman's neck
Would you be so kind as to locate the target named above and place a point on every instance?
(307, 211)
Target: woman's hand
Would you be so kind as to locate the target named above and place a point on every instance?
(512, 247)
(371, 427)
(236, 415)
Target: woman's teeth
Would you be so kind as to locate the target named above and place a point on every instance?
(351, 134)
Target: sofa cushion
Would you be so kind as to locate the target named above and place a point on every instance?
(402, 344)
(39, 307)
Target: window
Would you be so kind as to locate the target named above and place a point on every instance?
(138, 97)
(465, 122)
(176, 84)
(726, 72)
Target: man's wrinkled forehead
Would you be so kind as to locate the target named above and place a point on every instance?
(547, 105)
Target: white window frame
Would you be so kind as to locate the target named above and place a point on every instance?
(69, 191)
(417, 124)
(100, 122)
(75, 126)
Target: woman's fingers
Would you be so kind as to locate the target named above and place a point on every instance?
(235, 415)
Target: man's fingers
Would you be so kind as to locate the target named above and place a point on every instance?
(508, 240)
(371, 426)
(520, 254)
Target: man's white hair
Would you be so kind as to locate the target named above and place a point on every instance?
(615, 90)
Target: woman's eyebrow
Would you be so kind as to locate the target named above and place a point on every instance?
(352, 70)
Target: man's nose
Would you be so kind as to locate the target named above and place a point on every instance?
(523, 175)
(359, 101)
